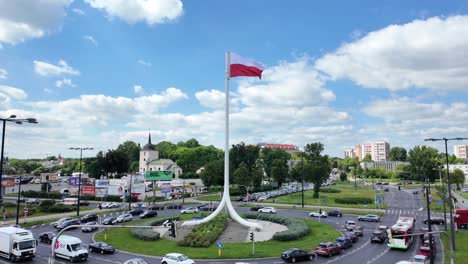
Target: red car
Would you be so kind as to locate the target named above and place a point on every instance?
(328, 249)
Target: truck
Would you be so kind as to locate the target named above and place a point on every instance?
(17, 243)
(461, 218)
(69, 247)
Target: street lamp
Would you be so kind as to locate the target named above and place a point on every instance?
(452, 227)
(18, 121)
(302, 179)
(79, 178)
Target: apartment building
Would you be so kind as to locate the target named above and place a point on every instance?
(378, 150)
(461, 151)
(349, 153)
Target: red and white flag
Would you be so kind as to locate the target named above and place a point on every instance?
(240, 66)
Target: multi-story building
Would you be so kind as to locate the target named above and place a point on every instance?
(461, 151)
(378, 150)
(462, 167)
(149, 160)
(349, 153)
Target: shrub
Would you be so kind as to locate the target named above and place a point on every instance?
(205, 234)
(57, 208)
(297, 227)
(329, 190)
(37, 194)
(146, 234)
(9, 205)
(358, 200)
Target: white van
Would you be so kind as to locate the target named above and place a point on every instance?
(69, 247)
(70, 201)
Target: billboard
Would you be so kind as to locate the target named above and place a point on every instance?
(8, 182)
(115, 190)
(101, 183)
(49, 177)
(159, 175)
(138, 183)
(100, 192)
(87, 190)
(74, 181)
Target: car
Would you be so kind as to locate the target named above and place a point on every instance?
(136, 261)
(208, 207)
(123, 218)
(358, 230)
(156, 207)
(420, 259)
(174, 206)
(344, 242)
(101, 247)
(33, 201)
(335, 213)
(138, 205)
(386, 190)
(88, 228)
(88, 218)
(328, 249)
(148, 214)
(435, 221)
(239, 199)
(297, 254)
(415, 192)
(352, 236)
(109, 220)
(318, 214)
(350, 225)
(256, 208)
(110, 205)
(68, 223)
(270, 210)
(46, 237)
(82, 202)
(378, 236)
(189, 210)
(385, 183)
(56, 223)
(369, 218)
(173, 258)
(426, 248)
(136, 211)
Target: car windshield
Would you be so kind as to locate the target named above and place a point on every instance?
(323, 245)
(182, 258)
(27, 244)
(75, 247)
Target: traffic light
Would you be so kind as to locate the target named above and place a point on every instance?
(172, 230)
(252, 236)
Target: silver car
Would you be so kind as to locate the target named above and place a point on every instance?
(369, 218)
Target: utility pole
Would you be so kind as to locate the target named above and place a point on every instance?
(429, 223)
(130, 194)
(444, 194)
(302, 179)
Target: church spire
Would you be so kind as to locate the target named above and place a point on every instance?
(149, 138)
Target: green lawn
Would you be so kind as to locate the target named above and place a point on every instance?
(461, 243)
(122, 239)
(210, 197)
(464, 195)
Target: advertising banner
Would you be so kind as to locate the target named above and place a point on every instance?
(100, 192)
(74, 181)
(101, 183)
(159, 175)
(115, 190)
(138, 183)
(9, 182)
(87, 190)
(72, 190)
(166, 188)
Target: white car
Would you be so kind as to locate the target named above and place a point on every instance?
(123, 218)
(318, 214)
(190, 210)
(138, 205)
(270, 210)
(110, 205)
(173, 258)
(420, 259)
(350, 225)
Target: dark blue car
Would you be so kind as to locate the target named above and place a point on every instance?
(344, 242)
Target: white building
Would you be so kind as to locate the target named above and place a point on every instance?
(349, 153)
(378, 150)
(461, 151)
(462, 167)
(387, 165)
(149, 161)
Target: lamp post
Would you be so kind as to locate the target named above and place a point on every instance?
(18, 202)
(302, 179)
(452, 227)
(18, 121)
(429, 223)
(79, 178)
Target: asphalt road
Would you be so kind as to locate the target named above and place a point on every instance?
(401, 203)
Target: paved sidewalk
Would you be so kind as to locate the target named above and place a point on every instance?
(461, 203)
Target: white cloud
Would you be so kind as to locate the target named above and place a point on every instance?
(90, 39)
(13, 92)
(21, 20)
(212, 99)
(138, 89)
(47, 69)
(78, 11)
(144, 63)
(3, 74)
(65, 82)
(424, 54)
(150, 11)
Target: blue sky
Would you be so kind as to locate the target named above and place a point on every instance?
(96, 73)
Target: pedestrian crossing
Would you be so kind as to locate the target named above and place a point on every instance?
(415, 213)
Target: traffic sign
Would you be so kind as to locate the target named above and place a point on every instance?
(220, 245)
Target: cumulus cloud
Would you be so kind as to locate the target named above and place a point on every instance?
(3, 74)
(212, 99)
(65, 82)
(427, 53)
(13, 92)
(144, 63)
(138, 89)
(90, 39)
(47, 69)
(150, 11)
(21, 20)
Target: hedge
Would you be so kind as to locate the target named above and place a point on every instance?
(58, 195)
(297, 227)
(38, 194)
(330, 190)
(358, 200)
(148, 234)
(205, 234)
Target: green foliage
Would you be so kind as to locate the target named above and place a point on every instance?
(192, 158)
(397, 154)
(42, 194)
(242, 175)
(343, 176)
(319, 170)
(213, 173)
(457, 177)
(205, 234)
(269, 156)
(297, 227)
(242, 153)
(145, 234)
(367, 158)
(329, 190)
(57, 208)
(422, 160)
(354, 200)
(9, 205)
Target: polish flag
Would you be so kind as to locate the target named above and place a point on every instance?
(241, 66)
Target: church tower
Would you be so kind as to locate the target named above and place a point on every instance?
(147, 154)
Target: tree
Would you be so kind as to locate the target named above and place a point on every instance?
(241, 153)
(131, 150)
(280, 171)
(457, 177)
(257, 175)
(347, 163)
(165, 149)
(367, 158)
(317, 167)
(270, 155)
(343, 176)
(242, 175)
(213, 173)
(397, 154)
(422, 160)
